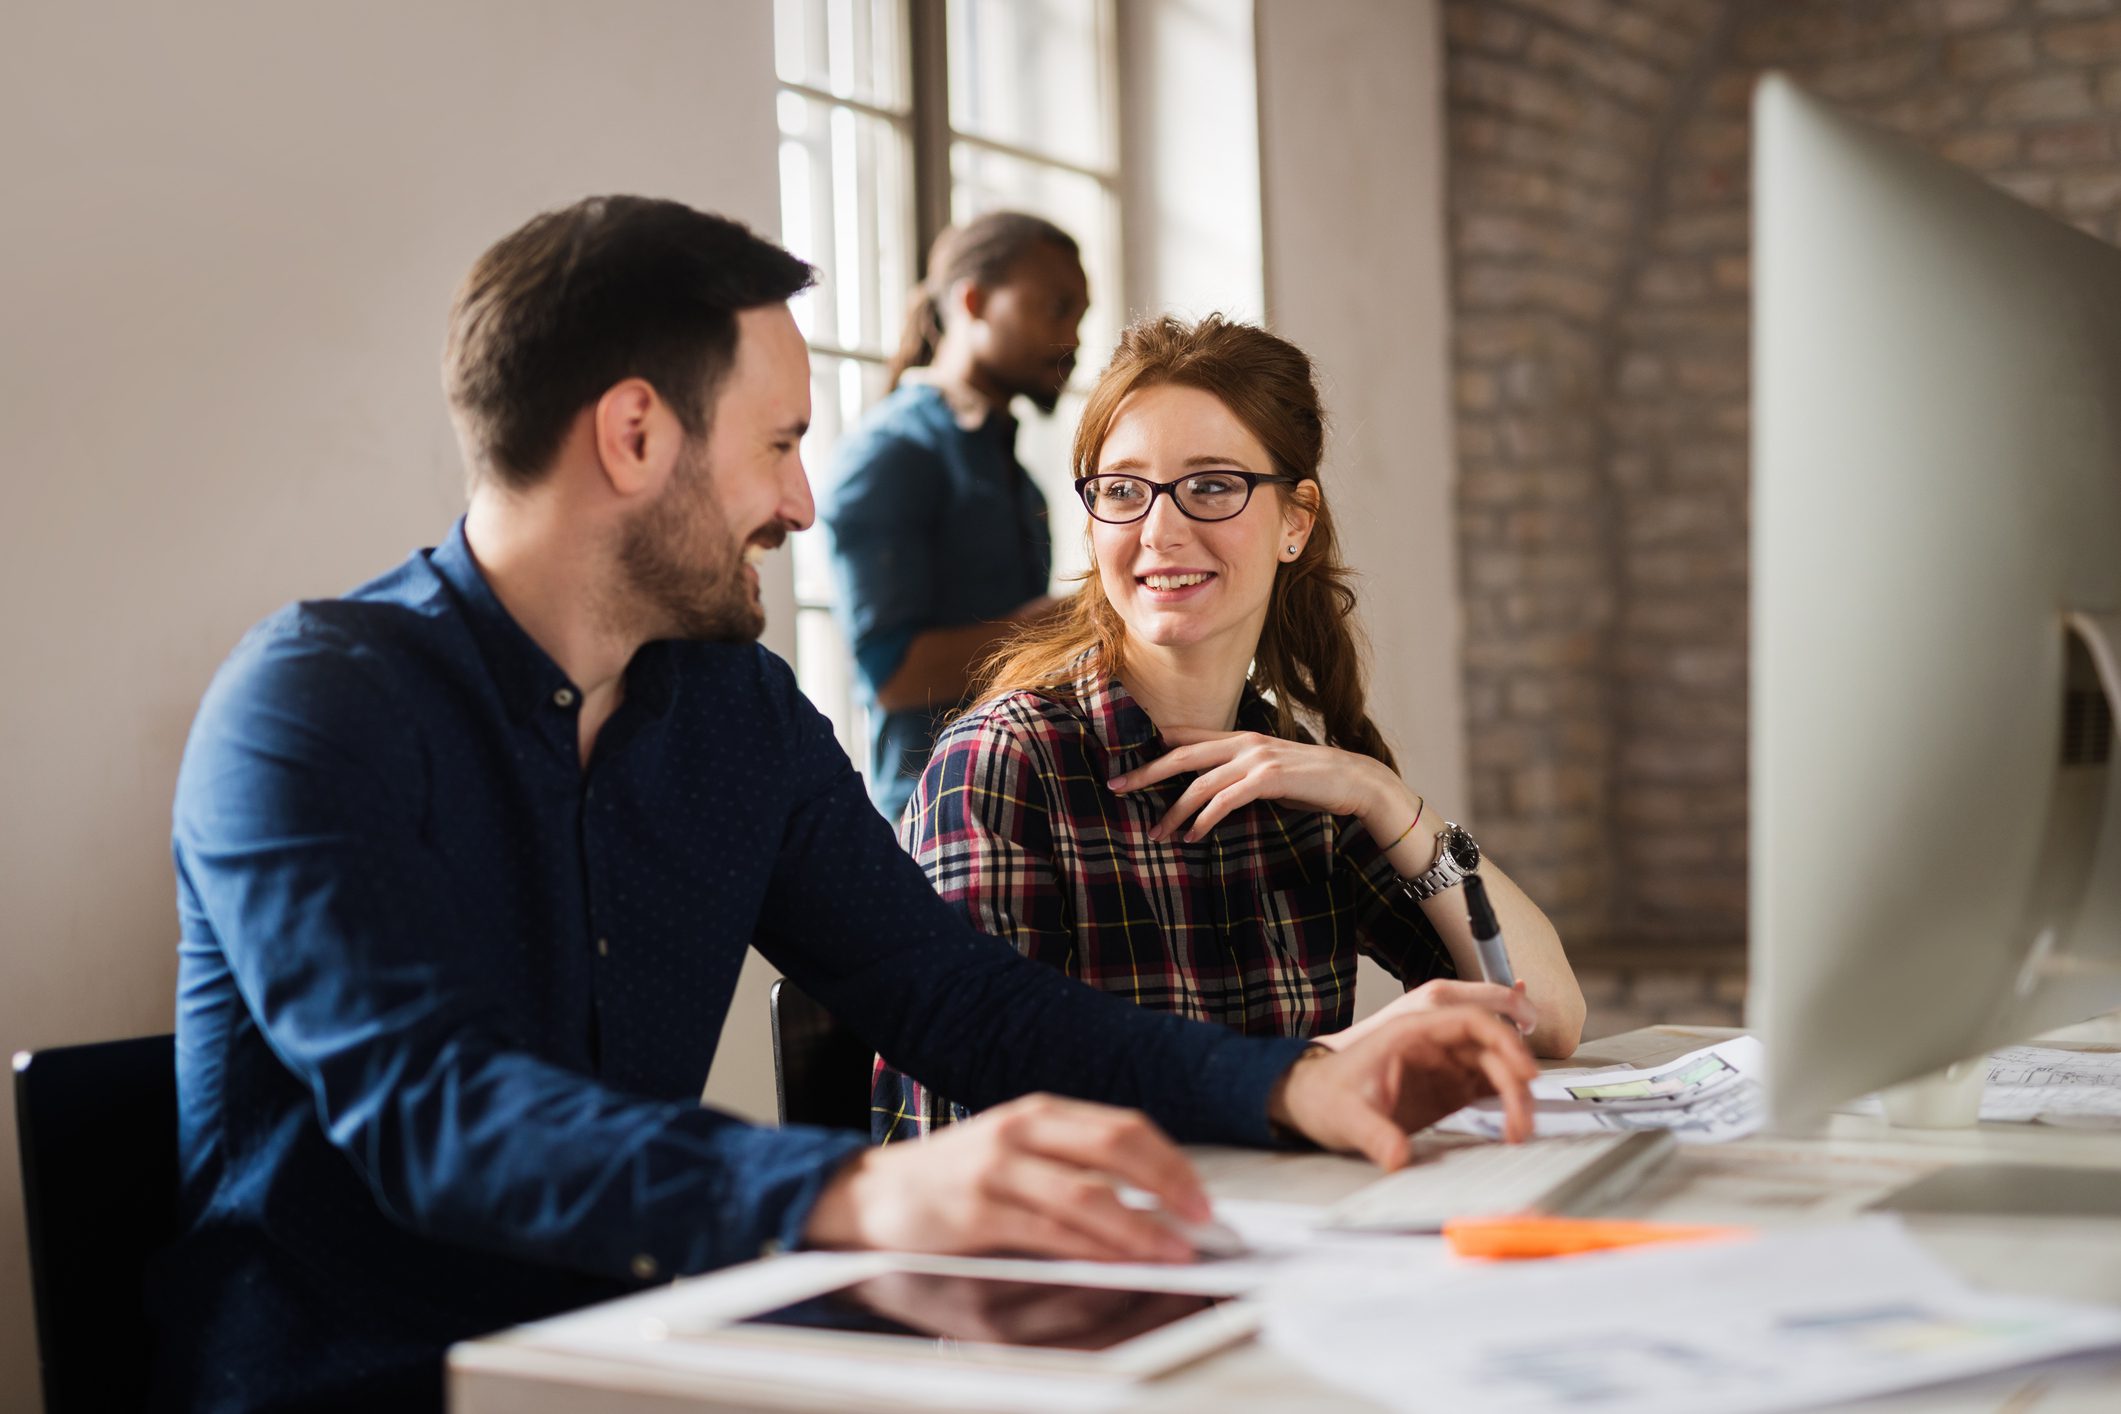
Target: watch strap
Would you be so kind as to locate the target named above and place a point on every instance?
(1445, 873)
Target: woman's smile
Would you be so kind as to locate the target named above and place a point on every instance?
(1174, 586)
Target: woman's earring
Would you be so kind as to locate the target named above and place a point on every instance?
(1292, 551)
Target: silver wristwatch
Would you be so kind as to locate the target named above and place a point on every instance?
(1456, 857)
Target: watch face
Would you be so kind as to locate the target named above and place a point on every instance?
(1464, 852)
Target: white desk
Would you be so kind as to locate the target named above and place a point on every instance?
(1764, 1181)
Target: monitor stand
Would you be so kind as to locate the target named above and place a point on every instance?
(1948, 1099)
(2014, 1190)
(2083, 843)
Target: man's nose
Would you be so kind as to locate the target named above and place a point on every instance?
(798, 507)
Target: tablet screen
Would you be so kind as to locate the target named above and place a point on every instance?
(938, 1309)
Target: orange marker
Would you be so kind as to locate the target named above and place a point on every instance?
(1529, 1235)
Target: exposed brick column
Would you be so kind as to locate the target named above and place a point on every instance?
(1600, 228)
(2027, 91)
(1675, 410)
(1557, 110)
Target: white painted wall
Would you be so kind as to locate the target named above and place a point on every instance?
(1352, 201)
(1189, 158)
(232, 231)
(231, 234)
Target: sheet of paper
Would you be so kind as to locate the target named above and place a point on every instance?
(2042, 1085)
(1285, 1239)
(1782, 1321)
(1704, 1097)
(2040, 1067)
(2028, 1084)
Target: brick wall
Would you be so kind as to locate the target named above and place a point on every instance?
(1558, 115)
(1599, 221)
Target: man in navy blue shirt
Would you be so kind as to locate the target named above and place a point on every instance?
(939, 535)
(468, 861)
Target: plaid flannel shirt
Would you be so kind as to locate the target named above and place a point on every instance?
(1257, 926)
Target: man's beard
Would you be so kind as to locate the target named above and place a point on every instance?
(684, 569)
(1046, 395)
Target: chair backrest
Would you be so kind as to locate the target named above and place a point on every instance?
(97, 1126)
(820, 1068)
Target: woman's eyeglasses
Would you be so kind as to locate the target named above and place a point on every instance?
(1119, 499)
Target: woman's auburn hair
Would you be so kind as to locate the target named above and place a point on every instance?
(1309, 662)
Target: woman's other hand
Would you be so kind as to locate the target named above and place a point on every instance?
(1509, 1003)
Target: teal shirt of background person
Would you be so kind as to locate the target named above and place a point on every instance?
(932, 526)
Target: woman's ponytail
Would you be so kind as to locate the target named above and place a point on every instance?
(916, 341)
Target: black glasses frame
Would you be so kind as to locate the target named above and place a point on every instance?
(1253, 481)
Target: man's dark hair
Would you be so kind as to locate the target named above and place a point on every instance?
(610, 288)
(984, 250)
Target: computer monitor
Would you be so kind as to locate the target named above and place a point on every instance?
(1936, 570)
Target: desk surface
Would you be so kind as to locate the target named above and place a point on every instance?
(1765, 1181)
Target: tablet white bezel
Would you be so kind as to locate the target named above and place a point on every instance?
(1145, 1356)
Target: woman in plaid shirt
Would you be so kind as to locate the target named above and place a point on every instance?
(1172, 790)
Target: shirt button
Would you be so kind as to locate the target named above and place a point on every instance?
(645, 1268)
(563, 698)
(603, 947)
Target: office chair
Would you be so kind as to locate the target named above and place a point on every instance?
(820, 1068)
(97, 1127)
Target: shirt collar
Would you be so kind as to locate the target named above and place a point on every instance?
(1116, 719)
(526, 676)
(966, 412)
(1124, 729)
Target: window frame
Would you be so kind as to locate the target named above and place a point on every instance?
(931, 140)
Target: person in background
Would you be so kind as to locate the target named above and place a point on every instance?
(939, 536)
(1174, 791)
(468, 860)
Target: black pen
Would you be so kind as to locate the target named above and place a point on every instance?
(1487, 937)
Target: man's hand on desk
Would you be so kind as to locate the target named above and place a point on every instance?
(1038, 1175)
(1369, 1096)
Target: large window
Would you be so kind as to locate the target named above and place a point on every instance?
(898, 117)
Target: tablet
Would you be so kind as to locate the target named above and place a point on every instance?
(1012, 1321)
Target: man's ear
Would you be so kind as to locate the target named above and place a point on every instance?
(636, 437)
(969, 297)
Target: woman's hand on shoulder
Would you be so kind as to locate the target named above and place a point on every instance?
(1237, 768)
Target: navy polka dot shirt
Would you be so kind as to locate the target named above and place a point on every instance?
(446, 1000)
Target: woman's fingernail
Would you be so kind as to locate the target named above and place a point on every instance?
(1117, 783)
